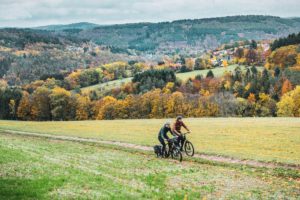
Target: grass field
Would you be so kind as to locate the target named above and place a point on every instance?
(263, 139)
(219, 71)
(183, 76)
(35, 168)
(106, 86)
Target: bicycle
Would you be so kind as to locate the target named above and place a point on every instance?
(173, 149)
(188, 146)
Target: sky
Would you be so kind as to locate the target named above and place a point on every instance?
(31, 13)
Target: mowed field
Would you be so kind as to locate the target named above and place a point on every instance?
(36, 168)
(106, 86)
(262, 139)
(219, 71)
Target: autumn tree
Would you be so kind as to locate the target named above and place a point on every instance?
(199, 64)
(286, 87)
(251, 98)
(41, 107)
(239, 53)
(104, 108)
(190, 63)
(24, 109)
(251, 56)
(289, 105)
(60, 101)
(175, 104)
(265, 106)
(83, 107)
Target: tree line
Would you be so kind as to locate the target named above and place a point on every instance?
(289, 40)
(250, 93)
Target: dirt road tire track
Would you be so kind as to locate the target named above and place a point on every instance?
(214, 158)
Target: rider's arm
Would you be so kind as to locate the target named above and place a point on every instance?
(186, 128)
(166, 136)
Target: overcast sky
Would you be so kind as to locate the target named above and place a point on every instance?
(29, 13)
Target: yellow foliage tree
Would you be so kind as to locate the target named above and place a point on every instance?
(168, 88)
(40, 109)
(82, 107)
(24, 109)
(225, 63)
(60, 101)
(3, 84)
(190, 63)
(289, 105)
(283, 57)
(264, 97)
(175, 104)
(103, 107)
(227, 85)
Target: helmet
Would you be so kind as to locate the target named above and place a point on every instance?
(167, 123)
(179, 117)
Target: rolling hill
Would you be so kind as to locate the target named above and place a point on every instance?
(59, 27)
(184, 36)
(190, 36)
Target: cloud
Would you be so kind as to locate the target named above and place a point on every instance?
(41, 12)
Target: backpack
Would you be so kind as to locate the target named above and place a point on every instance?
(158, 150)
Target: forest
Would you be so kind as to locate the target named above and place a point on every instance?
(155, 91)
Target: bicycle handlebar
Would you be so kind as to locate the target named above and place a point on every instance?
(177, 136)
(186, 133)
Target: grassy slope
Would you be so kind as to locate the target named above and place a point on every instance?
(33, 168)
(265, 139)
(106, 86)
(218, 72)
(183, 76)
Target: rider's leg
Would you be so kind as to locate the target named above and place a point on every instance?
(181, 142)
(161, 140)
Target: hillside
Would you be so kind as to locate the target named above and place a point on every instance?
(187, 36)
(20, 38)
(25, 53)
(182, 36)
(218, 72)
(80, 25)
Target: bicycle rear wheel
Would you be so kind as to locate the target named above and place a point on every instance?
(176, 154)
(189, 148)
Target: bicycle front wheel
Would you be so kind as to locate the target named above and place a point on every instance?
(176, 154)
(189, 148)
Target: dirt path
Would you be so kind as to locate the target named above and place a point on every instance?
(221, 159)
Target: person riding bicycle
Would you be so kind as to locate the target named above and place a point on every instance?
(162, 135)
(177, 130)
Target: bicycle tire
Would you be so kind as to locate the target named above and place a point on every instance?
(176, 154)
(189, 148)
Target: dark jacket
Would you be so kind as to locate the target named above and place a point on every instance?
(163, 132)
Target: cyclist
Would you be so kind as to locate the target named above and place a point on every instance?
(162, 135)
(177, 130)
